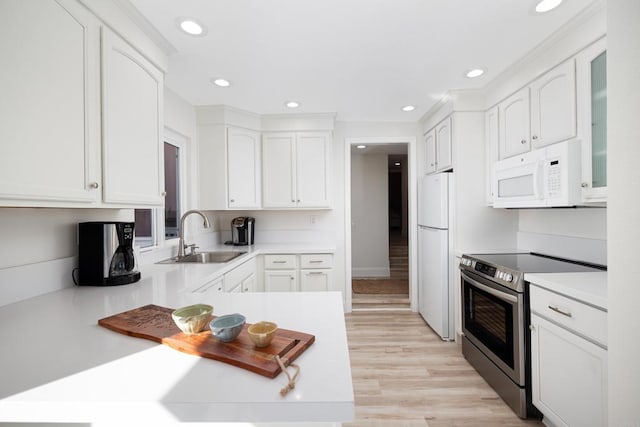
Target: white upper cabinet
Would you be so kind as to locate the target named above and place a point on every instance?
(278, 174)
(553, 106)
(313, 151)
(49, 104)
(592, 106)
(296, 169)
(492, 130)
(539, 114)
(443, 145)
(514, 124)
(60, 151)
(132, 119)
(430, 140)
(243, 169)
(438, 146)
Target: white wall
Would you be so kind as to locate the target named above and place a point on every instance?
(623, 63)
(369, 215)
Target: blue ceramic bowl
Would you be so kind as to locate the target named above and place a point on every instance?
(227, 328)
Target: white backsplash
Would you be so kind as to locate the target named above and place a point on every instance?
(575, 248)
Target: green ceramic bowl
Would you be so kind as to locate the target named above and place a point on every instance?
(192, 318)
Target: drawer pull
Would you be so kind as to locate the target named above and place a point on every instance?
(279, 262)
(315, 272)
(557, 310)
(313, 261)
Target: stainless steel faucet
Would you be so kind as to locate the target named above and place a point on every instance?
(181, 245)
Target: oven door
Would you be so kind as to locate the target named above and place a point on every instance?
(493, 320)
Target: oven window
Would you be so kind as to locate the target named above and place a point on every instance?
(490, 320)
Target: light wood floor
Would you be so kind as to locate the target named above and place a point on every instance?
(405, 376)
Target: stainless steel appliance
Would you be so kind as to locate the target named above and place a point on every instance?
(243, 230)
(495, 319)
(106, 254)
(435, 292)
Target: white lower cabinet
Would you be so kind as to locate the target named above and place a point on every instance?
(280, 280)
(281, 272)
(214, 286)
(568, 361)
(240, 277)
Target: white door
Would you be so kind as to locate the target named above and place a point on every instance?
(443, 145)
(315, 280)
(280, 281)
(249, 283)
(243, 168)
(569, 376)
(312, 169)
(514, 124)
(430, 140)
(433, 200)
(49, 102)
(278, 179)
(132, 117)
(553, 106)
(433, 291)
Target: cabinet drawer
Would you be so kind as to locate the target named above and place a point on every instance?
(212, 286)
(573, 315)
(278, 262)
(316, 261)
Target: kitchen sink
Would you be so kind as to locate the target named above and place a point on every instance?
(204, 257)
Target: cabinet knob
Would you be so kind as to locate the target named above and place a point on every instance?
(432, 164)
(232, 200)
(532, 328)
(164, 193)
(584, 185)
(293, 201)
(524, 141)
(94, 185)
(298, 201)
(534, 137)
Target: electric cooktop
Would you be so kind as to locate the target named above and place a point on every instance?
(509, 269)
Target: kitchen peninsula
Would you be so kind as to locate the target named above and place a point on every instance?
(58, 365)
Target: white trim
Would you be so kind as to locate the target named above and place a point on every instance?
(412, 206)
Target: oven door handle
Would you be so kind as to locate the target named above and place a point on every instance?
(496, 293)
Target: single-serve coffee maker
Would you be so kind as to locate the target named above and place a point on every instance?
(242, 230)
(106, 254)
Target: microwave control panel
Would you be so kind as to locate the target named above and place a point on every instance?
(553, 179)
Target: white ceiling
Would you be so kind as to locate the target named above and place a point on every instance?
(362, 59)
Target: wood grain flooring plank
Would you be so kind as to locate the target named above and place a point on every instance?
(405, 376)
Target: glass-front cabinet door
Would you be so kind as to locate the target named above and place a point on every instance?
(592, 101)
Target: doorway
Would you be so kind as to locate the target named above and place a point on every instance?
(379, 217)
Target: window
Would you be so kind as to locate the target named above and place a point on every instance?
(152, 223)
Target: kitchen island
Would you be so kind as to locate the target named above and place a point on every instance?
(58, 365)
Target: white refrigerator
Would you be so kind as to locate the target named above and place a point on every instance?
(435, 290)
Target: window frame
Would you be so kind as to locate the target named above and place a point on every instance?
(158, 214)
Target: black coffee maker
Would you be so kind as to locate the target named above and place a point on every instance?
(106, 254)
(242, 230)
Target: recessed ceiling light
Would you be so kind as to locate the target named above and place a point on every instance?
(220, 82)
(292, 104)
(191, 26)
(547, 5)
(475, 72)
(408, 108)
(361, 146)
(397, 163)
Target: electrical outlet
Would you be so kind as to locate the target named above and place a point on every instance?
(313, 219)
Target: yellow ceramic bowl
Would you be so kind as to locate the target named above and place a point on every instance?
(262, 333)
(192, 318)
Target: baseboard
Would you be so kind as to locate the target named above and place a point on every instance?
(28, 281)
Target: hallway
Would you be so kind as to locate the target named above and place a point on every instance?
(388, 293)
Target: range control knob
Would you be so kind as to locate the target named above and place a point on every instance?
(500, 274)
(508, 277)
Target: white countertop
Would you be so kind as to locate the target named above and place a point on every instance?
(590, 288)
(58, 365)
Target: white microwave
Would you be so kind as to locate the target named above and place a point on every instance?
(543, 178)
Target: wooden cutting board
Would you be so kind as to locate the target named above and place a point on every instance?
(154, 323)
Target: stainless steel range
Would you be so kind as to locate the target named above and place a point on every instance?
(495, 319)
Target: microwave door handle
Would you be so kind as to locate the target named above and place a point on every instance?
(496, 293)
